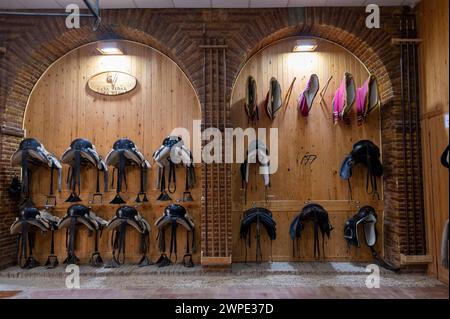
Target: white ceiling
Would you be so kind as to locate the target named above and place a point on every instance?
(117, 4)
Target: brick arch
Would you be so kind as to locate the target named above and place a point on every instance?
(35, 65)
(373, 52)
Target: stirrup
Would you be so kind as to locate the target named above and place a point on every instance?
(94, 196)
(144, 198)
(31, 262)
(117, 200)
(163, 197)
(96, 260)
(50, 201)
(73, 197)
(189, 263)
(163, 261)
(52, 262)
(71, 260)
(187, 197)
(145, 261)
(113, 263)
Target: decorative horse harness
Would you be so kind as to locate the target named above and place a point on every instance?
(344, 98)
(367, 217)
(32, 153)
(367, 99)
(175, 215)
(306, 99)
(368, 154)
(251, 104)
(170, 153)
(82, 153)
(273, 102)
(257, 215)
(319, 216)
(125, 153)
(256, 151)
(80, 214)
(23, 225)
(127, 215)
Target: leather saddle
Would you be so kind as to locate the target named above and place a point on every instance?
(344, 98)
(171, 153)
(81, 215)
(258, 216)
(367, 99)
(125, 153)
(31, 219)
(364, 152)
(32, 154)
(127, 215)
(273, 101)
(251, 104)
(367, 217)
(82, 153)
(257, 151)
(174, 216)
(319, 217)
(306, 99)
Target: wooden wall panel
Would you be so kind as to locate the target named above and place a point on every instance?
(62, 108)
(293, 183)
(434, 54)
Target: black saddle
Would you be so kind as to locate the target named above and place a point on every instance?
(127, 215)
(257, 152)
(32, 154)
(367, 217)
(364, 152)
(79, 214)
(171, 153)
(319, 216)
(125, 153)
(257, 215)
(173, 216)
(31, 219)
(82, 153)
(445, 157)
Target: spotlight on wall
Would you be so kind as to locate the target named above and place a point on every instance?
(109, 48)
(305, 45)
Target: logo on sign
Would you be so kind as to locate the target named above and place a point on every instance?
(112, 83)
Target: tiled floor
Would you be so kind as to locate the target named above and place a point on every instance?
(244, 281)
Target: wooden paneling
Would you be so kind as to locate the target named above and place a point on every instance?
(62, 108)
(434, 66)
(293, 183)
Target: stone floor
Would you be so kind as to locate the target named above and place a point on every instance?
(245, 281)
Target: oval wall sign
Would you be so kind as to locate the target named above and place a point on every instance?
(112, 83)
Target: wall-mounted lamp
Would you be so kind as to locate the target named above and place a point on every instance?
(305, 45)
(109, 48)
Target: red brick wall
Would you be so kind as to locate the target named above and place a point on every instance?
(32, 44)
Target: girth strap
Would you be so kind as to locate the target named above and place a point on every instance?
(119, 243)
(70, 239)
(173, 238)
(121, 172)
(381, 262)
(25, 172)
(23, 239)
(172, 178)
(51, 181)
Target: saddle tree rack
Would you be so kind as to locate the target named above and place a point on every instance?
(406, 260)
(215, 262)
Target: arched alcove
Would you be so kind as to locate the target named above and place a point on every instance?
(62, 108)
(296, 183)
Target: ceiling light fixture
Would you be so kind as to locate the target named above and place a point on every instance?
(109, 48)
(305, 45)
